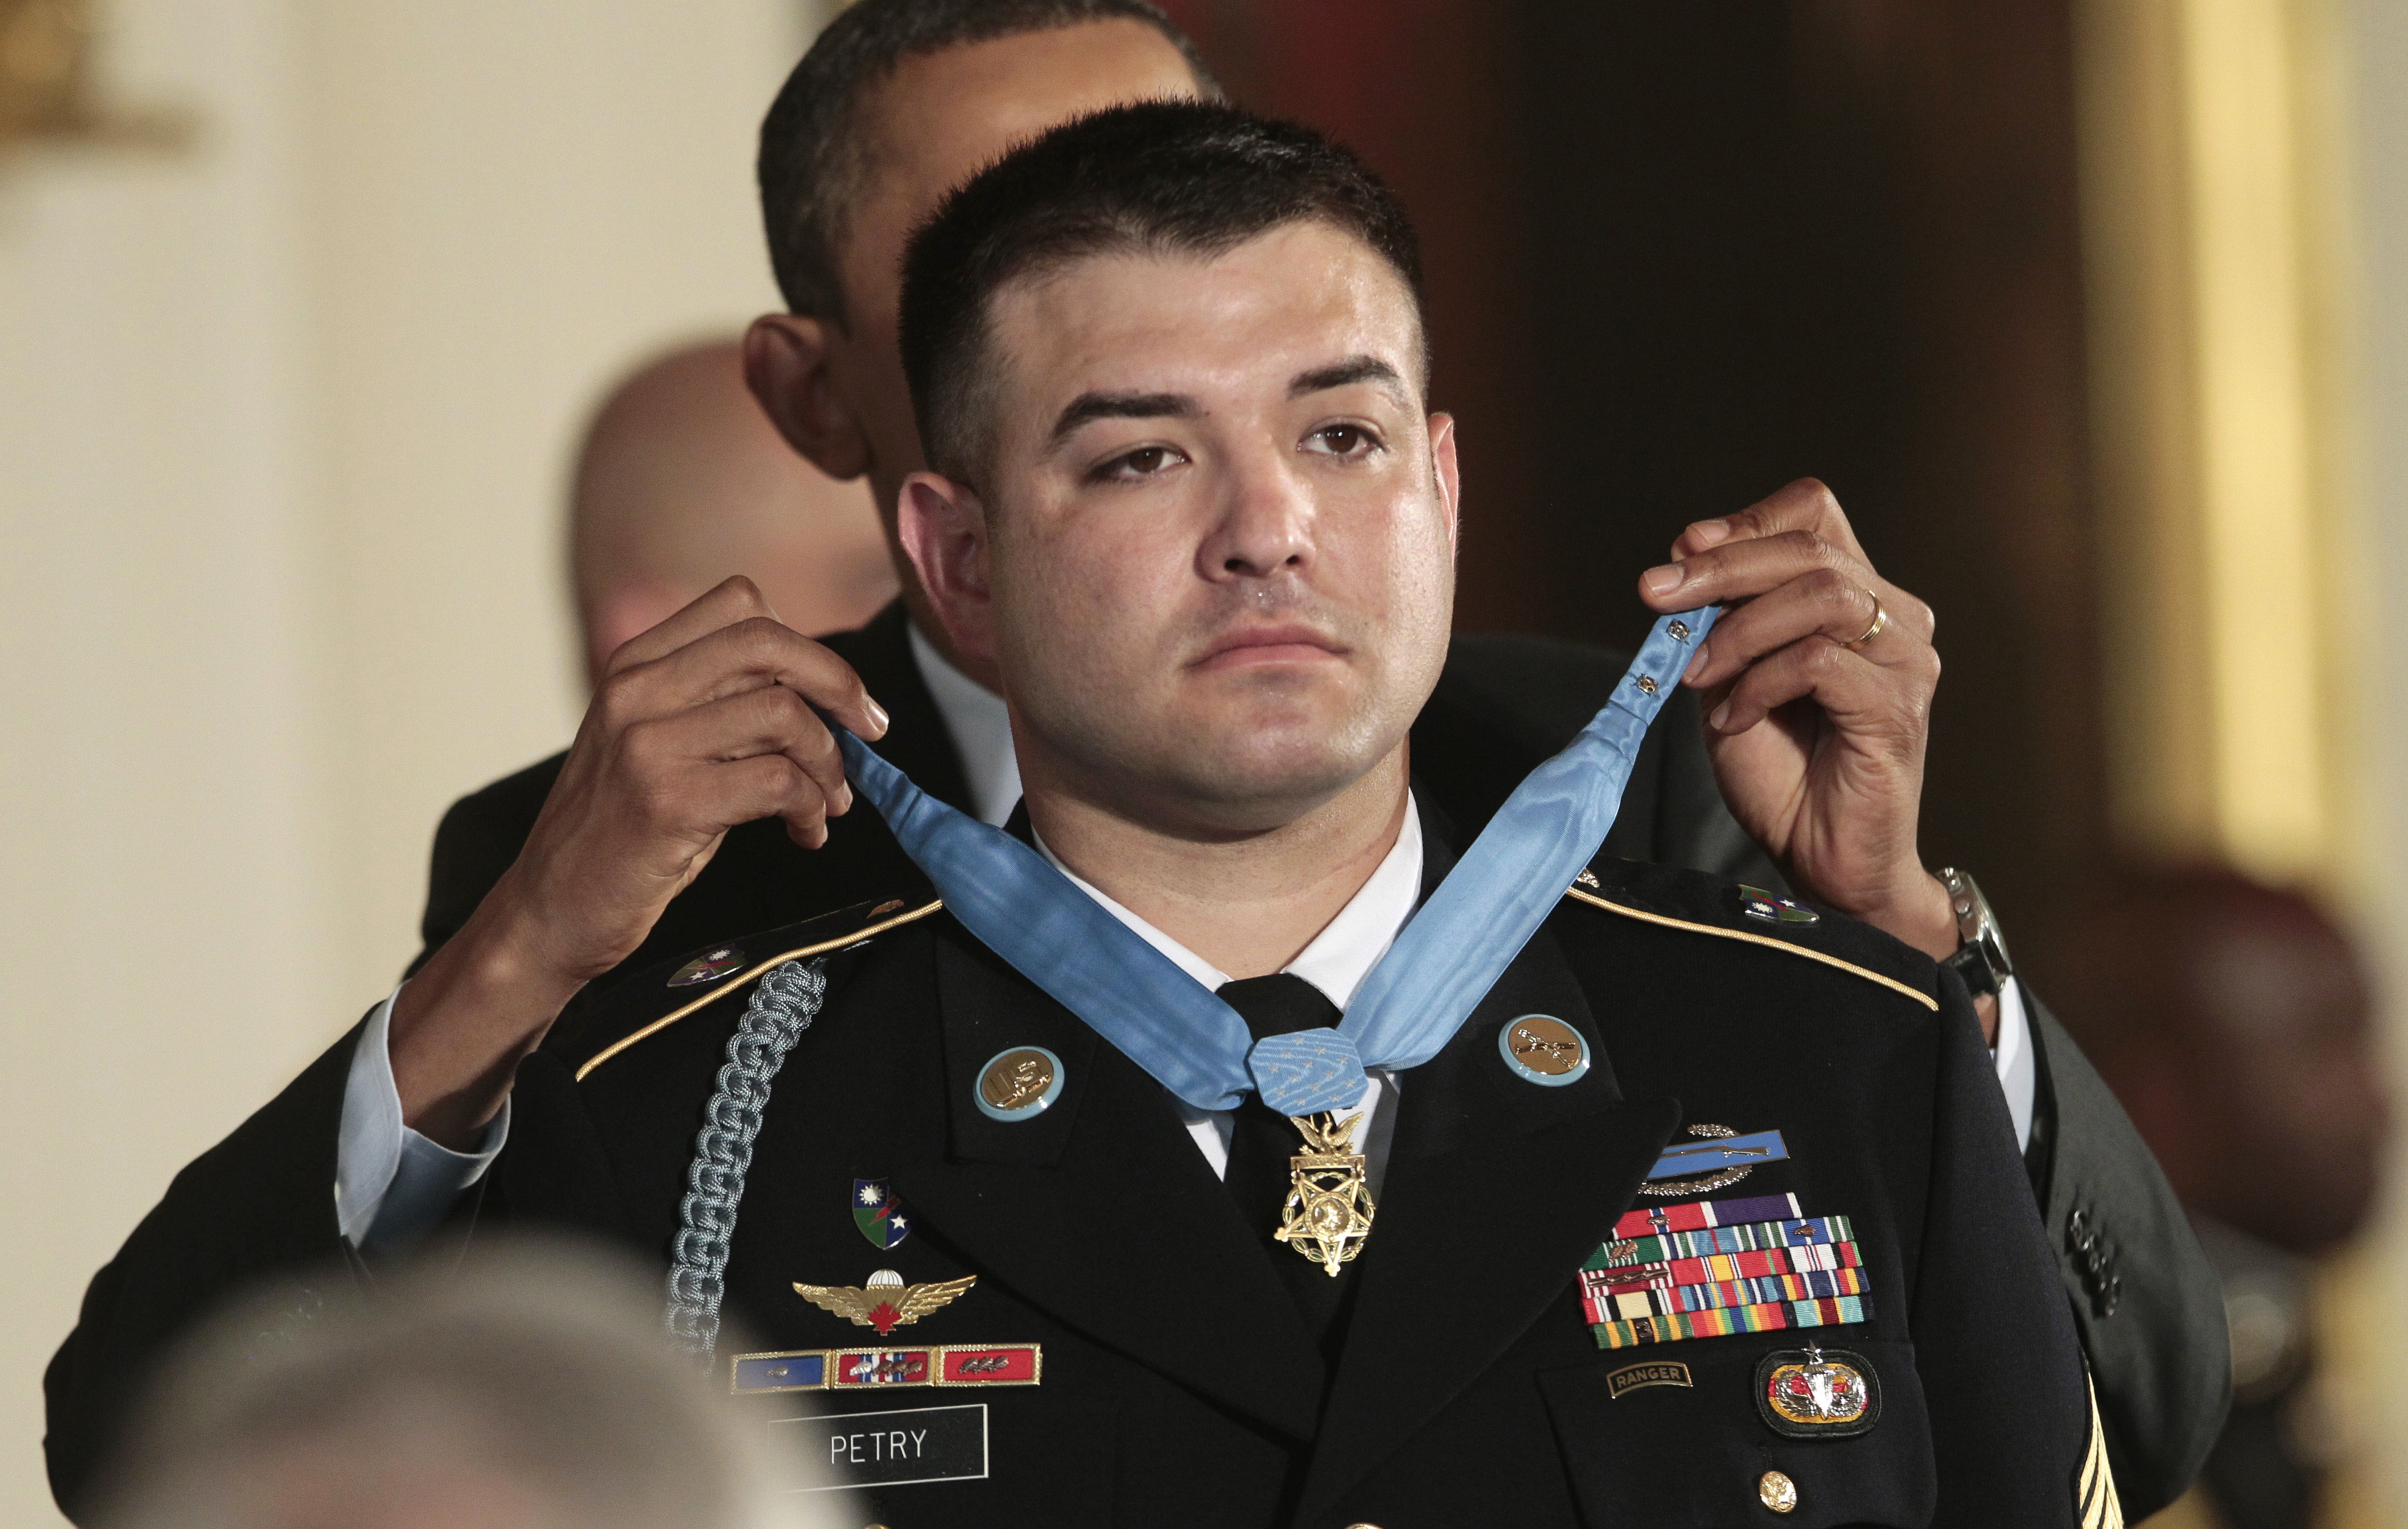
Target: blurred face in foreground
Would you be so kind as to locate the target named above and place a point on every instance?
(1212, 547)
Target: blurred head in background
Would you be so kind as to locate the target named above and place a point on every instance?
(530, 1389)
(2235, 1021)
(897, 103)
(681, 481)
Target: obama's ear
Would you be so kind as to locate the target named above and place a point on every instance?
(786, 366)
(942, 526)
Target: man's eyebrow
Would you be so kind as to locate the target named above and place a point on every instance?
(1352, 370)
(1124, 406)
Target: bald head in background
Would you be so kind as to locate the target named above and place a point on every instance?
(683, 481)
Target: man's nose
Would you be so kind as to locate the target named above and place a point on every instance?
(1266, 524)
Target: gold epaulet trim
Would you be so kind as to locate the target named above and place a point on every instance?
(1849, 967)
(725, 987)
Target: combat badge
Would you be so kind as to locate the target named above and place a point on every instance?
(1329, 1209)
(1816, 1392)
(879, 1213)
(1721, 1158)
(709, 966)
(1771, 908)
(884, 1301)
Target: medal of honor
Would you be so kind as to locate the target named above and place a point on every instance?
(1329, 1209)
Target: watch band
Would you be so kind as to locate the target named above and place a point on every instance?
(1981, 959)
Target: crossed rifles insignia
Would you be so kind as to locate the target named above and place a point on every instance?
(884, 1301)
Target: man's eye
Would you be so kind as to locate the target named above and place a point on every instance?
(1343, 441)
(1145, 461)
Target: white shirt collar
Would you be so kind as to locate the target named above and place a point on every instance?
(980, 726)
(1347, 947)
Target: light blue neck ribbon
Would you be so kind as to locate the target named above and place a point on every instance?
(1442, 962)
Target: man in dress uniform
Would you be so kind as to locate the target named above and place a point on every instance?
(1233, 1142)
(900, 100)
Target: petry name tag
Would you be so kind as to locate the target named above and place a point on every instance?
(896, 1449)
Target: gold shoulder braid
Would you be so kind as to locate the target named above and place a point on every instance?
(1329, 1210)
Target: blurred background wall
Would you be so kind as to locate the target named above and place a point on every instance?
(2091, 311)
(285, 412)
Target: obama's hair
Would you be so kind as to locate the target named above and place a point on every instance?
(815, 154)
(1160, 178)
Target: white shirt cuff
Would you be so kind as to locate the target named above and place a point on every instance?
(2018, 1069)
(393, 1186)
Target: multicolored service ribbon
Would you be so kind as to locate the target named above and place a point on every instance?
(1411, 1005)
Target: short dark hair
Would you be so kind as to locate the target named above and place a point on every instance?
(1158, 176)
(812, 156)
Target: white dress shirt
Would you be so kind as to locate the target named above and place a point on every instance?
(393, 1186)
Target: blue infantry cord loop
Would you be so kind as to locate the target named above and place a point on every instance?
(784, 1003)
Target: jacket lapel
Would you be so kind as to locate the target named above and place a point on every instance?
(917, 742)
(1101, 1210)
(1496, 1191)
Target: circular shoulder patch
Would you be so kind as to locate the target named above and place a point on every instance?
(1018, 1084)
(1543, 1049)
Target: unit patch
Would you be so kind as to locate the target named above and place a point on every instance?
(1771, 908)
(709, 966)
(879, 1213)
(1814, 1393)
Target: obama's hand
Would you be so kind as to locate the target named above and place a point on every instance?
(703, 723)
(1816, 684)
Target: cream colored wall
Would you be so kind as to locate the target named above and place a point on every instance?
(283, 422)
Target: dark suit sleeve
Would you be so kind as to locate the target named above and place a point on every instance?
(2147, 1301)
(260, 1202)
(1995, 1346)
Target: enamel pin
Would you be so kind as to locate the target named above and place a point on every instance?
(1816, 1392)
(1017, 1084)
(1771, 908)
(709, 966)
(879, 1213)
(884, 1301)
(1543, 1049)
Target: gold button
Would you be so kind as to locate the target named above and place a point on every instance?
(1777, 1492)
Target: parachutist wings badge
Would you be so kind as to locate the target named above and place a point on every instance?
(884, 1301)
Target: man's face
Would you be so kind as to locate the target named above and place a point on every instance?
(935, 122)
(1215, 560)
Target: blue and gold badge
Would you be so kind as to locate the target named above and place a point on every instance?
(879, 1213)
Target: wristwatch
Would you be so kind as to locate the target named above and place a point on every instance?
(1980, 957)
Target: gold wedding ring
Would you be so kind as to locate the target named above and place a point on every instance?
(1881, 620)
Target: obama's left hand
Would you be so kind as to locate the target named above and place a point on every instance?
(1816, 685)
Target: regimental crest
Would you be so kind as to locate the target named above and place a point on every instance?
(1816, 1393)
(1771, 908)
(709, 966)
(879, 1213)
(884, 1301)
(1329, 1209)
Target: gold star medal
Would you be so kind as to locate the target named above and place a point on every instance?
(1329, 1210)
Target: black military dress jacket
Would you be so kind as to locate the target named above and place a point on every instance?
(1174, 1379)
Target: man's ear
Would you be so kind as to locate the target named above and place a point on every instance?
(942, 526)
(786, 366)
(1450, 475)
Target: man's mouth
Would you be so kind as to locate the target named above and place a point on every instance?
(1285, 642)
